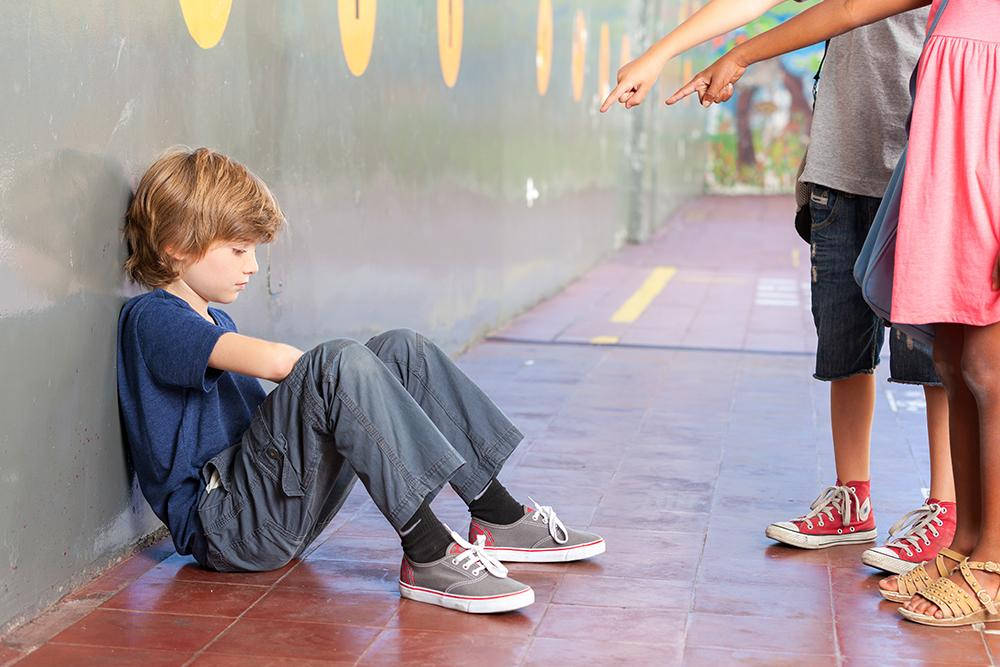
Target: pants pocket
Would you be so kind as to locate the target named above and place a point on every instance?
(269, 547)
(271, 454)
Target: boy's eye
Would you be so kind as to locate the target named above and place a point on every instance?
(239, 251)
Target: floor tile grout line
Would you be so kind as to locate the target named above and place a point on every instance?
(371, 643)
(527, 649)
(123, 648)
(647, 346)
(986, 645)
(242, 614)
(203, 582)
(151, 612)
(833, 616)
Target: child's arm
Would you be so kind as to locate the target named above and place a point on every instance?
(716, 18)
(253, 356)
(821, 22)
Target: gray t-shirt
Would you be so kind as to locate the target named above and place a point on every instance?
(858, 128)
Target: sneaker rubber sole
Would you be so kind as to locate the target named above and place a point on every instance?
(886, 563)
(553, 555)
(803, 541)
(469, 604)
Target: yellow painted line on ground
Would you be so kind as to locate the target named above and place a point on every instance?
(795, 258)
(638, 302)
(604, 340)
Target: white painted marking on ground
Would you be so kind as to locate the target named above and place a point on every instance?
(777, 292)
(911, 400)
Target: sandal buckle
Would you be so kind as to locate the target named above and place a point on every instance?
(984, 597)
(990, 566)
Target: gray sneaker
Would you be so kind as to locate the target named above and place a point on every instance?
(466, 579)
(538, 537)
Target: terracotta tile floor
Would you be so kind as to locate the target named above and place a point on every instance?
(679, 443)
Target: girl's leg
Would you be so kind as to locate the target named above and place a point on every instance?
(975, 418)
(963, 433)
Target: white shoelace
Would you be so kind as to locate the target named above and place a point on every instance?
(548, 516)
(844, 499)
(475, 557)
(912, 529)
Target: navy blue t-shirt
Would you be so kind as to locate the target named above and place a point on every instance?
(177, 412)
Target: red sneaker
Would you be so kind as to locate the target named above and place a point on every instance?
(915, 538)
(842, 514)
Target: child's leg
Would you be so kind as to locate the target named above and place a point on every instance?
(852, 408)
(922, 533)
(963, 429)
(951, 354)
(339, 413)
(342, 412)
(849, 337)
(942, 476)
(477, 429)
(481, 433)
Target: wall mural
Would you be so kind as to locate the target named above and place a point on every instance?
(757, 139)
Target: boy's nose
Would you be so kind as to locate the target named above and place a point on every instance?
(253, 268)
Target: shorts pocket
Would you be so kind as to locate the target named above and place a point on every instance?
(823, 206)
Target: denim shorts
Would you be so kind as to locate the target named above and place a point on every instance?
(850, 335)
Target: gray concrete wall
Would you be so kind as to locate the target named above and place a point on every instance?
(411, 203)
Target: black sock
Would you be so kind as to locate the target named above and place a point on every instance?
(495, 505)
(424, 537)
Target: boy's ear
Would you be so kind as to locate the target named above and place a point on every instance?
(172, 253)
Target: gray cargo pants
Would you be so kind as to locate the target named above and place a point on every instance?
(396, 413)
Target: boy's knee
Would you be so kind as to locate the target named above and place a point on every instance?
(394, 340)
(331, 348)
(340, 354)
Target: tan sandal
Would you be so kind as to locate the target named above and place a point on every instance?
(910, 583)
(957, 606)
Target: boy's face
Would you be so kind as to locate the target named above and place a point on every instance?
(223, 272)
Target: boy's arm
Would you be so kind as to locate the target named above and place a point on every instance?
(253, 356)
(821, 22)
(716, 18)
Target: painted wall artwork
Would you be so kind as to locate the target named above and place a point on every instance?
(757, 139)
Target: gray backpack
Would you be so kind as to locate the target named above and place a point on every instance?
(874, 269)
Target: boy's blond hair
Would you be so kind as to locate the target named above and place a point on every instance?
(187, 200)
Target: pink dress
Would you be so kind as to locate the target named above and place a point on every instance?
(949, 217)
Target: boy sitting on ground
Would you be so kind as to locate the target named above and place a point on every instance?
(246, 481)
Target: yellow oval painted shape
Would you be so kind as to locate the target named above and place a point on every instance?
(579, 54)
(543, 47)
(625, 56)
(357, 32)
(604, 63)
(206, 20)
(449, 19)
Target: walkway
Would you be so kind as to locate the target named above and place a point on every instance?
(668, 403)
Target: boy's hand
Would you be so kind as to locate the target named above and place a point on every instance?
(634, 81)
(716, 83)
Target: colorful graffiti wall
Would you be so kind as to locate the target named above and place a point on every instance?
(755, 141)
